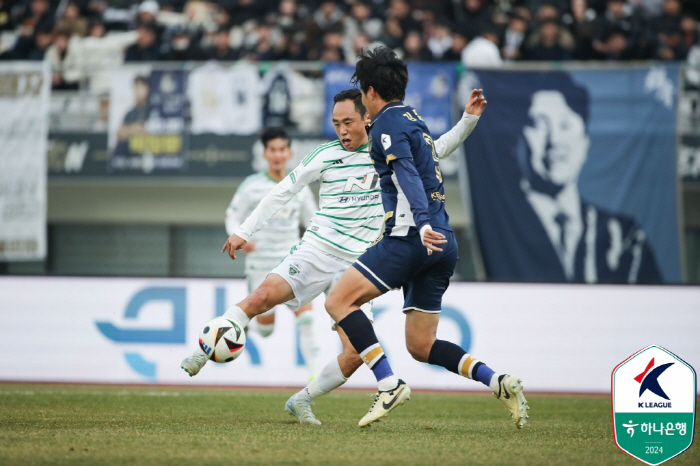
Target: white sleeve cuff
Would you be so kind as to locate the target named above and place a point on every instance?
(241, 234)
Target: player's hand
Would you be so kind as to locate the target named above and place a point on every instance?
(249, 247)
(476, 103)
(431, 238)
(233, 243)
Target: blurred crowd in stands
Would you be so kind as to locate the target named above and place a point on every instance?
(77, 34)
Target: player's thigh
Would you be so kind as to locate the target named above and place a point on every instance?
(352, 291)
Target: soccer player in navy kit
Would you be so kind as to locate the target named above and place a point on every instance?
(418, 251)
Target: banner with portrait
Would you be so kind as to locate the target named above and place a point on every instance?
(572, 175)
(147, 119)
(25, 92)
(430, 90)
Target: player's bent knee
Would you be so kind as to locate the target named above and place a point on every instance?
(261, 300)
(419, 350)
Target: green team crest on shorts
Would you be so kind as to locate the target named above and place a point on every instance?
(653, 404)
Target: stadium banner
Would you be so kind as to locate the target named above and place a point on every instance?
(85, 155)
(146, 129)
(129, 330)
(430, 91)
(572, 175)
(24, 105)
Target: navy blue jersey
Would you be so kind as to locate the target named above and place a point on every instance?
(404, 156)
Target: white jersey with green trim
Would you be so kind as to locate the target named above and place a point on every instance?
(282, 232)
(351, 216)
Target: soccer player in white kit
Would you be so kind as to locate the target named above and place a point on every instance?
(268, 247)
(348, 222)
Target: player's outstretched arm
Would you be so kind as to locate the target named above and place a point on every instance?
(450, 141)
(280, 195)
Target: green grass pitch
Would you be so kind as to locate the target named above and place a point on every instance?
(95, 425)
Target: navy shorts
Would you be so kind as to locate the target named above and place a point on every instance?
(403, 262)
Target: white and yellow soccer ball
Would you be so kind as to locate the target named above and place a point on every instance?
(222, 339)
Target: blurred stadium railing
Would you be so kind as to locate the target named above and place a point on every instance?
(141, 224)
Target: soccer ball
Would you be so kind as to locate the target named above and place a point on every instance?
(222, 339)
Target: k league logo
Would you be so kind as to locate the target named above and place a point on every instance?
(653, 403)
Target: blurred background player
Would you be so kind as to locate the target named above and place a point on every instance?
(268, 247)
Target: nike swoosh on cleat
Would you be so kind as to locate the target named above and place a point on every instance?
(505, 393)
(390, 404)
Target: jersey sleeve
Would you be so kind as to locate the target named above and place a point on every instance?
(451, 140)
(285, 190)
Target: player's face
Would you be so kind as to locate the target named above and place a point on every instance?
(557, 139)
(277, 153)
(349, 125)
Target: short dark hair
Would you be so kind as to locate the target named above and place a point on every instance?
(351, 94)
(384, 71)
(274, 132)
(141, 79)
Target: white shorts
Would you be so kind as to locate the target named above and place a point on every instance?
(310, 272)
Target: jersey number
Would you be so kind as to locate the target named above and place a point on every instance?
(410, 117)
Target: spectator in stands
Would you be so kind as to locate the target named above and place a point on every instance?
(393, 34)
(414, 49)
(332, 47)
(56, 56)
(483, 51)
(581, 23)
(616, 46)
(440, 40)
(71, 21)
(400, 10)
(620, 17)
(689, 31)
(513, 37)
(39, 16)
(145, 48)
(6, 20)
(670, 18)
(459, 41)
(42, 41)
(329, 15)
(222, 50)
(670, 45)
(360, 20)
(183, 47)
(264, 48)
(551, 42)
(474, 17)
(359, 42)
(289, 18)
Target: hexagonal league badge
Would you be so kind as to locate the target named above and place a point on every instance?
(653, 405)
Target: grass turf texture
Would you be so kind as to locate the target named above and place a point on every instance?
(75, 425)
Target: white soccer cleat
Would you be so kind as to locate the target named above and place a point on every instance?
(301, 409)
(510, 392)
(385, 402)
(194, 363)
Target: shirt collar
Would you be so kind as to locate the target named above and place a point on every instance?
(398, 103)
